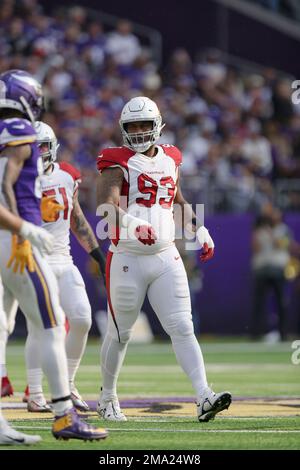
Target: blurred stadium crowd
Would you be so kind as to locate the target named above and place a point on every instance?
(239, 131)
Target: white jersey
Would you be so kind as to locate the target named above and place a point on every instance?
(63, 184)
(149, 189)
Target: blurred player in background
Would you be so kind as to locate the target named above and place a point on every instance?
(143, 259)
(31, 280)
(61, 181)
(272, 241)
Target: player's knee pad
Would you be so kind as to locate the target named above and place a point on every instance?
(125, 299)
(11, 325)
(80, 324)
(80, 308)
(179, 325)
(180, 285)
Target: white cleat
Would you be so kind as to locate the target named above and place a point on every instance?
(78, 401)
(38, 406)
(11, 437)
(110, 411)
(211, 404)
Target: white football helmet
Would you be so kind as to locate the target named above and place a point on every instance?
(141, 108)
(47, 143)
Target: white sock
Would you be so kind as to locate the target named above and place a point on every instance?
(112, 357)
(54, 364)
(34, 381)
(73, 365)
(4, 371)
(76, 343)
(32, 348)
(62, 407)
(33, 363)
(189, 357)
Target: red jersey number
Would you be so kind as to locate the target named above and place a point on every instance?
(167, 202)
(147, 185)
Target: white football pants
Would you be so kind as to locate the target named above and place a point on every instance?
(37, 295)
(75, 303)
(163, 278)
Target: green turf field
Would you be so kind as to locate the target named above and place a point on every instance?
(265, 413)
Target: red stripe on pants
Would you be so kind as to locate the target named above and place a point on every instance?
(107, 275)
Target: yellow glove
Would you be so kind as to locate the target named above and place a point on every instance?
(21, 255)
(50, 208)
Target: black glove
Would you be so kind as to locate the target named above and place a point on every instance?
(98, 255)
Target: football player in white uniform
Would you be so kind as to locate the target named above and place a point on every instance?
(60, 181)
(42, 240)
(143, 258)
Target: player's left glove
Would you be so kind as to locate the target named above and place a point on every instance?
(206, 243)
(98, 255)
(50, 208)
(21, 256)
(145, 234)
(38, 236)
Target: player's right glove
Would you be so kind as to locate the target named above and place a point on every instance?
(50, 208)
(206, 243)
(38, 236)
(140, 228)
(145, 234)
(21, 256)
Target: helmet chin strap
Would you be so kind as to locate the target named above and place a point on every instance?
(48, 170)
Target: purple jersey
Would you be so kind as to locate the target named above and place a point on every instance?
(15, 132)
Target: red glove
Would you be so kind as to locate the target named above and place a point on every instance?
(207, 253)
(145, 234)
(206, 243)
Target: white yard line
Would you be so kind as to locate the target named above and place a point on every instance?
(219, 431)
(214, 367)
(208, 347)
